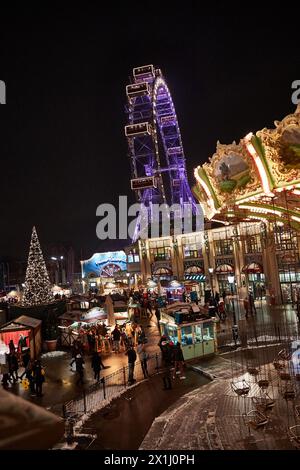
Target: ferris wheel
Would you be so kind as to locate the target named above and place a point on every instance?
(154, 140)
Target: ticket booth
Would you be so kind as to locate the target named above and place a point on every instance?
(197, 338)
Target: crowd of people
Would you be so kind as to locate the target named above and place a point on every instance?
(33, 375)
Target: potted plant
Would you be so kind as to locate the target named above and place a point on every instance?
(51, 335)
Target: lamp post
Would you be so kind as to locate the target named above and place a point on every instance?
(58, 259)
(211, 270)
(234, 327)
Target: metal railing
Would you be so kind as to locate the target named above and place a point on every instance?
(108, 388)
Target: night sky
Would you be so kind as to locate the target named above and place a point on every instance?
(62, 144)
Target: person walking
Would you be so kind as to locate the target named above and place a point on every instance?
(116, 335)
(96, 365)
(26, 360)
(157, 314)
(166, 363)
(38, 377)
(131, 363)
(141, 335)
(143, 357)
(179, 361)
(4, 369)
(13, 366)
(298, 308)
(246, 307)
(79, 361)
(11, 347)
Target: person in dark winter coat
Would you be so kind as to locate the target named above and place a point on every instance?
(157, 314)
(143, 357)
(131, 363)
(26, 360)
(79, 368)
(11, 346)
(179, 361)
(13, 366)
(167, 359)
(97, 364)
(116, 334)
(38, 377)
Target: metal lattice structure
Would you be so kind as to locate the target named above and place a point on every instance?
(154, 140)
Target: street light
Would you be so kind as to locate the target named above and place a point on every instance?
(211, 270)
(234, 328)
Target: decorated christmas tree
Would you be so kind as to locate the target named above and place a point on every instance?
(37, 288)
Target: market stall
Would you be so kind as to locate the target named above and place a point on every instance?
(174, 291)
(190, 326)
(25, 332)
(75, 323)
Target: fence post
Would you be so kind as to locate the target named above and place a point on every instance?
(104, 389)
(124, 376)
(84, 401)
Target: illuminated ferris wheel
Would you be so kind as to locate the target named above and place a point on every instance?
(154, 140)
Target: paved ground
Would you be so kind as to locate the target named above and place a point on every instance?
(265, 315)
(124, 423)
(60, 385)
(212, 417)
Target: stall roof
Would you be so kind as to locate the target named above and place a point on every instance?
(23, 320)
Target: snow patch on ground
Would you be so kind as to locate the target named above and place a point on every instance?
(53, 354)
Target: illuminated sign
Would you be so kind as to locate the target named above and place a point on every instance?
(104, 264)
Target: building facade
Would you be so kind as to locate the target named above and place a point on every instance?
(250, 196)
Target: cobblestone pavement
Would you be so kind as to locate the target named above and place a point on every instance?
(213, 416)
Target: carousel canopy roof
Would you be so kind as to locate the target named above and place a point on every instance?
(258, 177)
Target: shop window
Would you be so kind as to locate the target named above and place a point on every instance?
(208, 331)
(186, 335)
(198, 334)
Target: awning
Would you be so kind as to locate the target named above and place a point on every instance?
(174, 285)
(163, 271)
(194, 270)
(252, 268)
(195, 277)
(224, 269)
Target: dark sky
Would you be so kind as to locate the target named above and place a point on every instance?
(62, 144)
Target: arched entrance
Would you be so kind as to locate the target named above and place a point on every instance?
(256, 279)
(222, 272)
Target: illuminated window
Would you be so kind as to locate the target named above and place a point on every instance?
(160, 250)
(192, 246)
